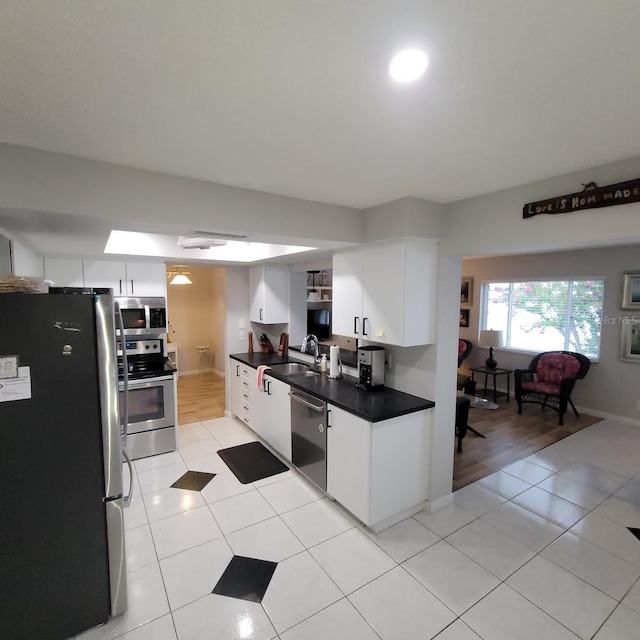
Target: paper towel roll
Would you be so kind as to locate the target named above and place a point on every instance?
(334, 361)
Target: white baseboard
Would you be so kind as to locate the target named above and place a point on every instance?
(606, 416)
(195, 372)
(431, 506)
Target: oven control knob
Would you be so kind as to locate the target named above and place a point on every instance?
(155, 346)
(146, 346)
(321, 428)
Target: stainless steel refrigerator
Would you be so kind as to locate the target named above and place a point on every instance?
(62, 557)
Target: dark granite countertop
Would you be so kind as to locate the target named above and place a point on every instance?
(373, 406)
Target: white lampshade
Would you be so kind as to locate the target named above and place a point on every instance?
(491, 338)
(313, 296)
(180, 278)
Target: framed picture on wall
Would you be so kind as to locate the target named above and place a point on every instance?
(464, 317)
(631, 341)
(631, 291)
(466, 290)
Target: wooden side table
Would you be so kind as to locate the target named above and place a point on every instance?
(495, 373)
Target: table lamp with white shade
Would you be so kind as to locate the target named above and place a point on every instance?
(493, 340)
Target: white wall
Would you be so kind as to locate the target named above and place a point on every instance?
(406, 217)
(5, 255)
(493, 225)
(219, 283)
(195, 313)
(237, 304)
(36, 180)
(25, 262)
(297, 307)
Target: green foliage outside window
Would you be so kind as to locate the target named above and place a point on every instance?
(545, 316)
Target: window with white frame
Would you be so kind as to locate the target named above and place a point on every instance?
(546, 316)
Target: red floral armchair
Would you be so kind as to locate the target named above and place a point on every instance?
(464, 349)
(550, 379)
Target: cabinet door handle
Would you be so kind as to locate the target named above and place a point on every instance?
(132, 286)
(268, 387)
(328, 418)
(355, 324)
(261, 314)
(364, 326)
(237, 371)
(120, 286)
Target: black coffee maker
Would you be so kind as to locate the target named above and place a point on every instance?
(370, 368)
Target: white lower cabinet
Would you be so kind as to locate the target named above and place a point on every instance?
(266, 410)
(349, 462)
(243, 392)
(378, 470)
(276, 416)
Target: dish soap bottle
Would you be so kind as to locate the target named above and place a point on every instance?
(323, 362)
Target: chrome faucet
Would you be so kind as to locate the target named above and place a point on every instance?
(311, 340)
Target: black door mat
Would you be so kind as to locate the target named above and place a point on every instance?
(252, 461)
(245, 578)
(193, 480)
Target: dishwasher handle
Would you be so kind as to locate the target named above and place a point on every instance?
(305, 402)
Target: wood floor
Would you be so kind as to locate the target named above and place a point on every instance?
(509, 438)
(200, 397)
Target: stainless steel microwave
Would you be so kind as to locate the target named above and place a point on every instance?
(143, 316)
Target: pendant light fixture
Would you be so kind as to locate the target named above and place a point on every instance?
(179, 275)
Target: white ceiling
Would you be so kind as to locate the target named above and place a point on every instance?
(292, 96)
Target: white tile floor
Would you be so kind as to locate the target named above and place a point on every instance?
(538, 550)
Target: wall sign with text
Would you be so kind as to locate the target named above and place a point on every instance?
(621, 193)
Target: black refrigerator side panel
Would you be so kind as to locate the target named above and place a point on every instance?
(53, 546)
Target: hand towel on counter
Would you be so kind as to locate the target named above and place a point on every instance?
(260, 374)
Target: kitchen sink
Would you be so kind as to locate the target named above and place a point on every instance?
(294, 369)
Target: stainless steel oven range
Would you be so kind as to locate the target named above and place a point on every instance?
(152, 407)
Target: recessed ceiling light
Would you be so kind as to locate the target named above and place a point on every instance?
(408, 65)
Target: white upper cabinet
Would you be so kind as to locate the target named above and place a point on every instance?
(385, 293)
(147, 279)
(63, 272)
(136, 279)
(103, 273)
(347, 294)
(269, 291)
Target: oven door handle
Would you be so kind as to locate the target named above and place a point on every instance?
(152, 380)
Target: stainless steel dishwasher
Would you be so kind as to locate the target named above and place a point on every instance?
(309, 437)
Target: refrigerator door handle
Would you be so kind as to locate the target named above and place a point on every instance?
(126, 501)
(108, 381)
(125, 376)
(117, 557)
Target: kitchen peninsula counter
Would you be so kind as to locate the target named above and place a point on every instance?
(373, 406)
